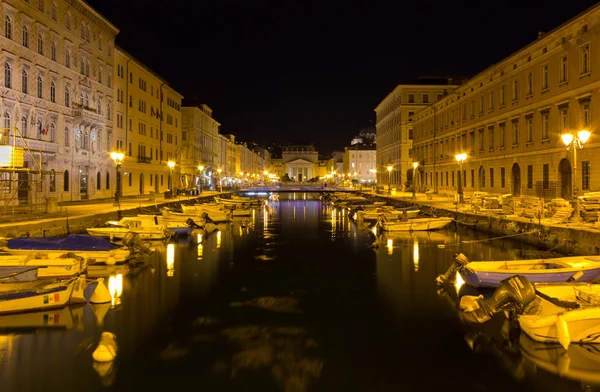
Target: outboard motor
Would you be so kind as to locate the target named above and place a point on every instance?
(190, 222)
(512, 294)
(206, 217)
(460, 260)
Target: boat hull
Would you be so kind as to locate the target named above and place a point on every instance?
(116, 256)
(56, 295)
(422, 224)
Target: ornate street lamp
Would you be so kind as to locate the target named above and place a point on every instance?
(171, 165)
(117, 158)
(201, 169)
(460, 158)
(389, 169)
(574, 142)
(414, 179)
(219, 170)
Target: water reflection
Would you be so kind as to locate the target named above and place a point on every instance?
(170, 260)
(416, 254)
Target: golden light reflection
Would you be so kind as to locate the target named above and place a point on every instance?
(241, 231)
(265, 218)
(199, 240)
(253, 216)
(416, 254)
(218, 239)
(304, 196)
(200, 247)
(115, 287)
(374, 230)
(458, 282)
(7, 343)
(390, 246)
(170, 260)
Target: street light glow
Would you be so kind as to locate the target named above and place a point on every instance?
(200, 167)
(389, 168)
(219, 170)
(171, 164)
(584, 135)
(117, 156)
(567, 138)
(415, 165)
(460, 158)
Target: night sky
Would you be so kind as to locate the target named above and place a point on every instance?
(313, 71)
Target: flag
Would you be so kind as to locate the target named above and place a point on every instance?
(40, 129)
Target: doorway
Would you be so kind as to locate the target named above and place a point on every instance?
(299, 177)
(83, 186)
(565, 172)
(516, 179)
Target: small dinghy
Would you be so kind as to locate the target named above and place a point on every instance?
(94, 250)
(117, 230)
(417, 224)
(491, 273)
(48, 265)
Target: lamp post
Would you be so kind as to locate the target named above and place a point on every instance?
(117, 158)
(171, 165)
(414, 179)
(219, 170)
(389, 169)
(574, 142)
(460, 158)
(201, 169)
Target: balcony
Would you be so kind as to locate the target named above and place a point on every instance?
(143, 159)
(86, 114)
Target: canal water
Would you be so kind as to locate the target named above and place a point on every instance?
(295, 298)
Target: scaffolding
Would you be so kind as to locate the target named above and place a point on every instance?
(22, 187)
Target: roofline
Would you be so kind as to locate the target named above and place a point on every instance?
(146, 68)
(401, 87)
(99, 15)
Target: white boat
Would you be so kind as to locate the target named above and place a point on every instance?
(216, 212)
(39, 294)
(116, 230)
(177, 227)
(49, 265)
(417, 224)
(238, 202)
(389, 214)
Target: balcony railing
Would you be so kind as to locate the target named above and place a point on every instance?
(87, 114)
(143, 159)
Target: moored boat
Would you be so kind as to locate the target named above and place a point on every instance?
(417, 224)
(117, 230)
(47, 265)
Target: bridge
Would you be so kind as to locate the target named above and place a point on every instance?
(295, 188)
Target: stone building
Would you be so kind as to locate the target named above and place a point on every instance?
(56, 89)
(394, 116)
(510, 117)
(147, 128)
(300, 162)
(360, 162)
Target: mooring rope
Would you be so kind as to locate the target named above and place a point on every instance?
(497, 238)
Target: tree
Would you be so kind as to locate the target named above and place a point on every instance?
(286, 178)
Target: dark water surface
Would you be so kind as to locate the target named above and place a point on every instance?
(292, 299)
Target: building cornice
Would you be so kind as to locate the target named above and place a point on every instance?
(94, 16)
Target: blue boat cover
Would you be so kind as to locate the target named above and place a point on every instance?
(72, 242)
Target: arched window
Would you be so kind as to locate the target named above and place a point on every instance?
(6, 120)
(8, 27)
(98, 181)
(86, 101)
(40, 44)
(68, 58)
(107, 180)
(67, 137)
(66, 181)
(25, 36)
(68, 21)
(24, 126)
(67, 97)
(53, 51)
(40, 87)
(7, 75)
(52, 92)
(24, 81)
(52, 132)
(52, 181)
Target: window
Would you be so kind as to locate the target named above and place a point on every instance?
(564, 119)
(82, 31)
(100, 43)
(87, 68)
(8, 27)
(481, 104)
(502, 96)
(545, 77)
(529, 176)
(98, 181)
(54, 12)
(491, 136)
(585, 114)
(491, 177)
(472, 109)
(584, 59)
(24, 126)
(130, 176)
(502, 177)
(53, 51)
(25, 36)
(585, 175)
(66, 181)
(67, 58)
(491, 100)
(546, 176)
(482, 178)
(67, 97)
(425, 98)
(68, 21)
(108, 111)
(119, 120)
(515, 127)
(530, 83)
(411, 98)
(67, 140)
(52, 132)
(52, 181)
(99, 106)
(7, 123)
(24, 81)
(515, 90)
(109, 50)
(40, 87)
(52, 92)
(481, 139)
(109, 79)
(529, 125)
(99, 74)
(41, 5)
(545, 125)
(563, 69)
(40, 46)
(107, 180)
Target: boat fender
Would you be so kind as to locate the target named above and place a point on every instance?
(101, 294)
(469, 303)
(110, 260)
(562, 331)
(107, 348)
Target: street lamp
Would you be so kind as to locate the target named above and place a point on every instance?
(117, 157)
(219, 170)
(575, 142)
(201, 169)
(414, 179)
(460, 158)
(171, 165)
(389, 169)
